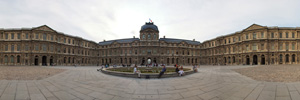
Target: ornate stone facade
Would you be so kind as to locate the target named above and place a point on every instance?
(45, 46)
(255, 45)
(150, 48)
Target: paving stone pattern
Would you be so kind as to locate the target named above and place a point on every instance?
(210, 83)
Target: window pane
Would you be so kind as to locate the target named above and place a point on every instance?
(36, 36)
(12, 36)
(27, 36)
(12, 48)
(19, 36)
(18, 47)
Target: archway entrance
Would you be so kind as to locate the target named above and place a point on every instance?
(143, 61)
(287, 60)
(51, 60)
(263, 60)
(149, 61)
(247, 60)
(44, 60)
(254, 60)
(154, 60)
(36, 60)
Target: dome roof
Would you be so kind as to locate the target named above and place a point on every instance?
(149, 25)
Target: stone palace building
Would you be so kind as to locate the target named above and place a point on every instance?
(255, 45)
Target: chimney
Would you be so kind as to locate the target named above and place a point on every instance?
(133, 36)
(103, 40)
(193, 39)
(164, 36)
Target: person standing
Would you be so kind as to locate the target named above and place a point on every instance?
(163, 70)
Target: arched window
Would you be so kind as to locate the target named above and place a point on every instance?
(143, 36)
(154, 37)
(12, 59)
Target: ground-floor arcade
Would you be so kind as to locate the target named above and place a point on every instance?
(253, 59)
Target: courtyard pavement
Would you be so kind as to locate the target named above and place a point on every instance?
(210, 83)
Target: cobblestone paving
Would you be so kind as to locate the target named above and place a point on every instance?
(274, 73)
(210, 83)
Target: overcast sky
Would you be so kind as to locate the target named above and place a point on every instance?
(97, 20)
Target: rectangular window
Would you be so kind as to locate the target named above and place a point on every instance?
(18, 47)
(262, 35)
(293, 46)
(280, 46)
(44, 36)
(12, 36)
(286, 35)
(58, 50)
(51, 37)
(280, 35)
(19, 36)
(247, 48)
(254, 35)
(293, 35)
(26, 36)
(6, 36)
(26, 47)
(6, 47)
(65, 40)
(246, 36)
(36, 47)
(58, 39)
(272, 35)
(69, 41)
(239, 38)
(12, 48)
(51, 48)
(286, 46)
(272, 46)
(262, 46)
(44, 47)
(254, 46)
(36, 36)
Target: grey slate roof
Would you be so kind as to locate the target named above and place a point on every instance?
(128, 40)
(171, 40)
(149, 25)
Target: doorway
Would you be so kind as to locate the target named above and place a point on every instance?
(36, 60)
(263, 61)
(254, 60)
(44, 60)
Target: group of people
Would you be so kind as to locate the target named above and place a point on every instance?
(179, 70)
(138, 72)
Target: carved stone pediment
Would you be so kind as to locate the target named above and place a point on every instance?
(254, 27)
(44, 28)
